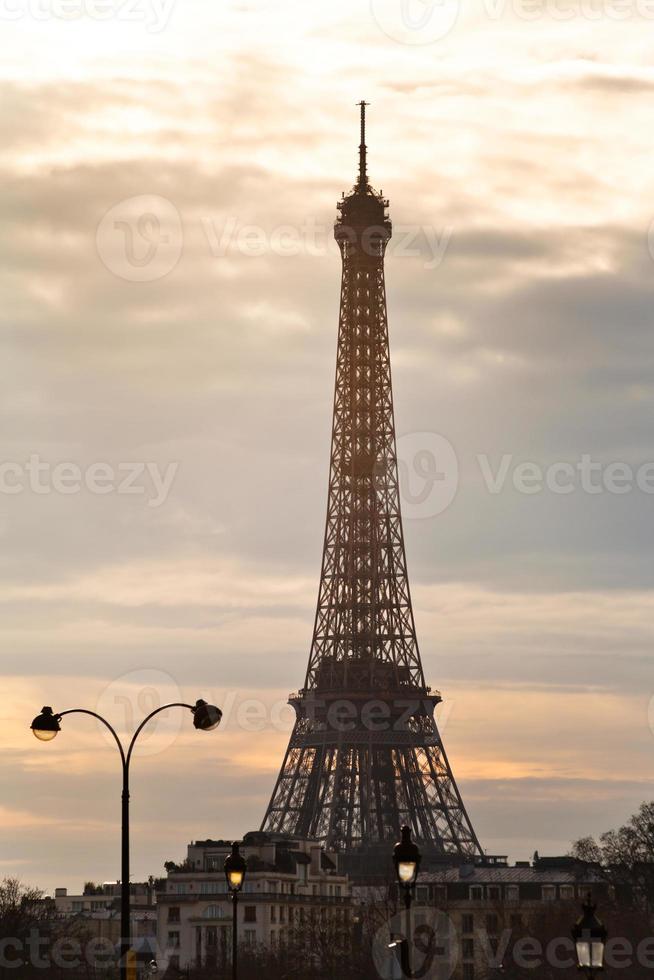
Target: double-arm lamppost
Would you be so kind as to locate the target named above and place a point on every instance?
(406, 858)
(45, 726)
(589, 935)
(235, 869)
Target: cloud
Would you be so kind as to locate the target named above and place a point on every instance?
(531, 338)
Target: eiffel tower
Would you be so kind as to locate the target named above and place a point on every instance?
(365, 756)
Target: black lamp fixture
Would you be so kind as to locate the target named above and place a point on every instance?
(589, 935)
(206, 717)
(406, 857)
(46, 725)
(235, 870)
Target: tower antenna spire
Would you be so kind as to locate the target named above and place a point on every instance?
(363, 168)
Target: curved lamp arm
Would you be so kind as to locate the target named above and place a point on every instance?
(94, 714)
(173, 704)
(205, 717)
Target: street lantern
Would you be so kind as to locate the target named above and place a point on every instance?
(406, 857)
(206, 717)
(235, 869)
(589, 935)
(46, 725)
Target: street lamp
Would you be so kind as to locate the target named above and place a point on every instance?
(235, 870)
(206, 717)
(406, 858)
(589, 935)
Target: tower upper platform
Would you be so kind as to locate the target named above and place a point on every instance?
(364, 208)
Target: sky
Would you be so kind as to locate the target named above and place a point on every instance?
(168, 329)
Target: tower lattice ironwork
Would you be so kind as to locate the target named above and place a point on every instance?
(365, 755)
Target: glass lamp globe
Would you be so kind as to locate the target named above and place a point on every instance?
(46, 725)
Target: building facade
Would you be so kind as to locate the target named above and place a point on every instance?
(97, 910)
(290, 884)
(476, 916)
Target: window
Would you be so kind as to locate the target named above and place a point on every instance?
(214, 862)
(494, 893)
(567, 892)
(173, 913)
(273, 937)
(213, 912)
(250, 937)
(422, 894)
(273, 913)
(491, 924)
(440, 893)
(250, 913)
(548, 893)
(78, 906)
(468, 971)
(173, 940)
(512, 893)
(468, 949)
(281, 913)
(213, 887)
(467, 923)
(476, 893)
(337, 891)
(516, 921)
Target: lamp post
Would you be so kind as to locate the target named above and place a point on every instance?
(235, 869)
(406, 858)
(45, 727)
(589, 935)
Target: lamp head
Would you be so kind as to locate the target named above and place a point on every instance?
(235, 869)
(589, 935)
(206, 717)
(406, 857)
(46, 725)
